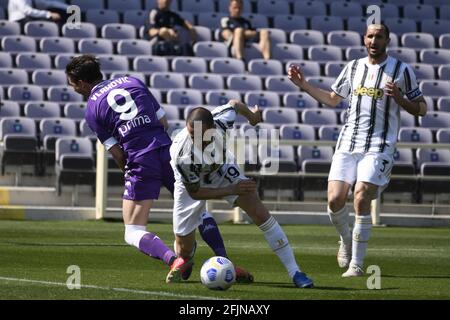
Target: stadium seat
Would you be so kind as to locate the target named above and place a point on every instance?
(278, 159)
(307, 37)
(329, 132)
(327, 23)
(40, 29)
(403, 54)
(315, 160)
(435, 2)
(356, 52)
(435, 27)
(277, 35)
(23, 93)
(134, 47)
(197, 6)
(211, 20)
(334, 69)
(137, 18)
(221, 97)
(261, 130)
(227, 66)
(322, 82)
(407, 119)
(435, 120)
(443, 135)
(33, 60)
(112, 63)
(95, 46)
(123, 5)
(388, 10)
(9, 28)
(156, 94)
(297, 132)
(436, 88)
(404, 2)
(18, 44)
(309, 68)
(272, 7)
(20, 144)
(39, 109)
(280, 84)
(251, 51)
(344, 38)
(6, 60)
(118, 31)
(444, 72)
(319, 117)
(85, 131)
(149, 64)
(444, 12)
(443, 104)
(88, 4)
(61, 60)
(210, 49)
(258, 20)
(358, 24)
(289, 23)
(444, 41)
(265, 67)
(413, 134)
(203, 33)
(206, 81)
(9, 109)
(419, 11)
(417, 40)
(435, 56)
(74, 163)
(287, 51)
(262, 99)
(172, 112)
(279, 116)
(244, 82)
(324, 53)
(75, 111)
(401, 26)
(403, 165)
(184, 97)
(85, 30)
(51, 129)
(309, 8)
(175, 126)
(102, 17)
(345, 10)
(57, 45)
(10, 76)
(167, 80)
(63, 94)
(434, 162)
(299, 100)
(189, 65)
(423, 71)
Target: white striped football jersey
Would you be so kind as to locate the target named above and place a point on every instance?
(373, 119)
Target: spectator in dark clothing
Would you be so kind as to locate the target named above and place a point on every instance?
(236, 30)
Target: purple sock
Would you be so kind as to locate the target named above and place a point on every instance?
(211, 235)
(152, 245)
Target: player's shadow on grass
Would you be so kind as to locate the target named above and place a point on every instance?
(416, 276)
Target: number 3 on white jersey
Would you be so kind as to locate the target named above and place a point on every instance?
(128, 110)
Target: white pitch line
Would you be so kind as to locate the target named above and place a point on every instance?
(150, 293)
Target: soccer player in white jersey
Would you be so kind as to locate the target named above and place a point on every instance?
(199, 177)
(376, 87)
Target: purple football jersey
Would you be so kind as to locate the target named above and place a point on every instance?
(124, 109)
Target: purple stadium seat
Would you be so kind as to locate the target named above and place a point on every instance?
(262, 99)
(358, 24)
(251, 51)
(445, 12)
(419, 11)
(433, 162)
(197, 6)
(38, 110)
(95, 46)
(39, 29)
(9, 28)
(435, 27)
(344, 38)
(312, 157)
(111, 62)
(356, 52)
(417, 40)
(88, 4)
(435, 2)
(289, 23)
(73, 110)
(309, 68)
(444, 72)
(280, 84)
(9, 109)
(277, 35)
(85, 30)
(444, 41)
(5, 60)
(327, 23)
(401, 26)
(318, 117)
(53, 128)
(123, 5)
(206, 81)
(404, 54)
(63, 94)
(297, 132)
(404, 2)
(57, 45)
(48, 77)
(134, 47)
(203, 33)
(329, 132)
(279, 116)
(149, 64)
(345, 10)
(167, 80)
(172, 111)
(210, 49)
(334, 69)
(407, 119)
(423, 71)
(437, 88)
(136, 18)
(221, 97)
(272, 7)
(325, 53)
(244, 82)
(435, 56)
(435, 120)
(309, 8)
(443, 135)
(118, 31)
(10, 76)
(189, 65)
(388, 10)
(307, 37)
(62, 59)
(322, 82)
(211, 20)
(184, 97)
(287, 51)
(17, 44)
(102, 17)
(299, 100)
(443, 104)
(265, 67)
(227, 66)
(258, 20)
(413, 134)
(261, 130)
(33, 61)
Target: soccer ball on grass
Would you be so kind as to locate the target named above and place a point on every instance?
(218, 273)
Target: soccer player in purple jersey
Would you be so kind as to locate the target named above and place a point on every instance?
(131, 125)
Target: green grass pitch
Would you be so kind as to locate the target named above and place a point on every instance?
(34, 257)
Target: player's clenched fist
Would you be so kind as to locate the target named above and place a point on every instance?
(244, 186)
(295, 74)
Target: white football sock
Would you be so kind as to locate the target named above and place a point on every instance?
(279, 243)
(340, 219)
(361, 234)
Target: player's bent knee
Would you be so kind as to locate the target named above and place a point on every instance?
(336, 203)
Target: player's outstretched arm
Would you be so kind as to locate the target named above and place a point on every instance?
(253, 115)
(418, 107)
(241, 188)
(329, 98)
(119, 156)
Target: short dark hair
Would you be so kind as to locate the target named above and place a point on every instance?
(385, 27)
(200, 114)
(85, 67)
